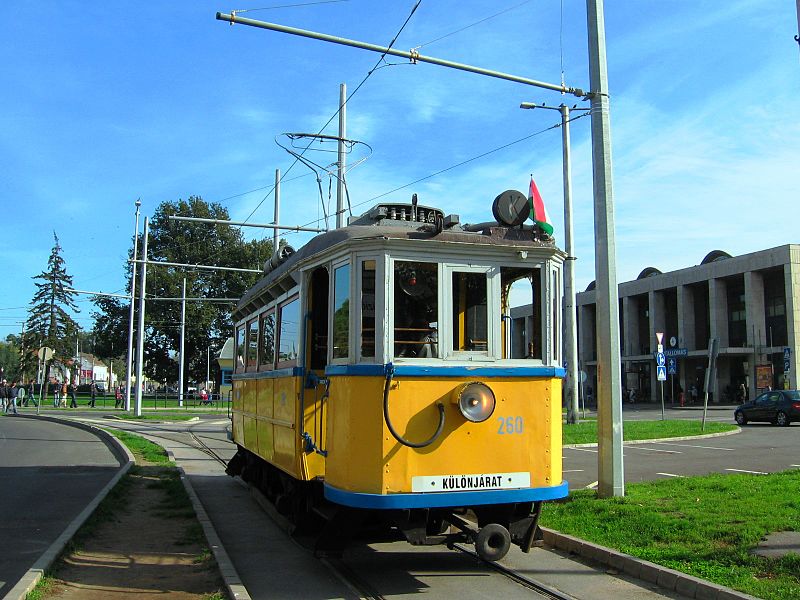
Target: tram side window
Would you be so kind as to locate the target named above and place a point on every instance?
(341, 312)
(288, 333)
(266, 352)
(240, 348)
(416, 309)
(368, 308)
(252, 343)
(470, 324)
(521, 312)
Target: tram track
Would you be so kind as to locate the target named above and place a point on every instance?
(540, 588)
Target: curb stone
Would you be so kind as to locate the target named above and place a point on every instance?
(28, 581)
(670, 579)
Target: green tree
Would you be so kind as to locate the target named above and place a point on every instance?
(208, 323)
(49, 323)
(10, 357)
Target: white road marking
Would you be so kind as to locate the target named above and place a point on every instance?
(653, 449)
(753, 472)
(794, 465)
(592, 486)
(670, 475)
(693, 446)
(585, 449)
(572, 471)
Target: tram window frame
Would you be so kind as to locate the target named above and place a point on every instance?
(284, 364)
(251, 351)
(534, 314)
(239, 354)
(335, 289)
(365, 322)
(556, 297)
(434, 326)
(262, 348)
(452, 330)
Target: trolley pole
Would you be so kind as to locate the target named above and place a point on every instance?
(610, 470)
(341, 156)
(275, 238)
(140, 339)
(129, 367)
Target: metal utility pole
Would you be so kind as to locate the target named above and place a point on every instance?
(182, 355)
(611, 474)
(275, 238)
(140, 338)
(129, 367)
(570, 317)
(341, 156)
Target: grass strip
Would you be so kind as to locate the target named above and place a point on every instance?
(585, 432)
(158, 417)
(703, 526)
(142, 449)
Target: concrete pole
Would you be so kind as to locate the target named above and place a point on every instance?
(208, 365)
(182, 355)
(342, 156)
(140, 335)
(570, 317)
(129, 367)
(275, 239)
(611, 474)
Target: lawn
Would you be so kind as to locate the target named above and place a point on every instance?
(585, 432)
(703, 526)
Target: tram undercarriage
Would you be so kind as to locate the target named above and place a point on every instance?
(491, 528)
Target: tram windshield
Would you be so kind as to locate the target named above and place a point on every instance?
(416, 309)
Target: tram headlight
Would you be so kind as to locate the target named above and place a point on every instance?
(475, 401)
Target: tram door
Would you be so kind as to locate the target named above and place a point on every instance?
(316, 353)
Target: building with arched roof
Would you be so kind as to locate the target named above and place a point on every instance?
(749, 303)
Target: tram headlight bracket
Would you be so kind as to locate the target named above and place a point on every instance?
(475, 401)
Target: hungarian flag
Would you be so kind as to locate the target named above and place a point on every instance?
(538, 211)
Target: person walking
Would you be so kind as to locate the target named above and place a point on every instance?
(56, 393)
(30, 395)
(4, 395)
(13, 392)
(64, 390)
(72, 402)
(118, 397)
(93, 394)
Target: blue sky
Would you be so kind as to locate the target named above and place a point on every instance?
(103, 103)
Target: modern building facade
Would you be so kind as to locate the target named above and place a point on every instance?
(750, 304)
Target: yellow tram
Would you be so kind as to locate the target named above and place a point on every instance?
(406, 368)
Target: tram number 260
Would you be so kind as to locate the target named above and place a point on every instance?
(510, 425)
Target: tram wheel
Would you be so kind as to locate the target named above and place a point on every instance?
(492, 542)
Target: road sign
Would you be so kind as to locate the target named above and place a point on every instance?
(45, 353)
(660, 360)
(660, 336)
(676, 352)
(661, 373)
(787, 353)
(672, 366)
(787, 365)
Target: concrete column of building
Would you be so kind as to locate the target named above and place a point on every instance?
(630, 344)
(756, 324)
(718, 328)
(586, 344)
(657, 321)
(718, 313)
(791, 278)
(686, 320)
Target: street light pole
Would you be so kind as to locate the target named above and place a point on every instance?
(140, 336)
(570, 320)
(129, 367)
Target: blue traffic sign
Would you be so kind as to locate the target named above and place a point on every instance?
(660, 360)
(787, 365)
(672, 366)
(787, 353)
(661, 373)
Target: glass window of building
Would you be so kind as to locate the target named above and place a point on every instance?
(288, 333)
(368, 308)
(416, 309)
(341, 311)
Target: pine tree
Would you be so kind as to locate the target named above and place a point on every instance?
(49, 323)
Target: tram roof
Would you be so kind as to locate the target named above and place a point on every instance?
(276, 280)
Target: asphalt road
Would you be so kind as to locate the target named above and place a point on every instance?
(759, 448)
(48, 473)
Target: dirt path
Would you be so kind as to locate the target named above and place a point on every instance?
(144, 542)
